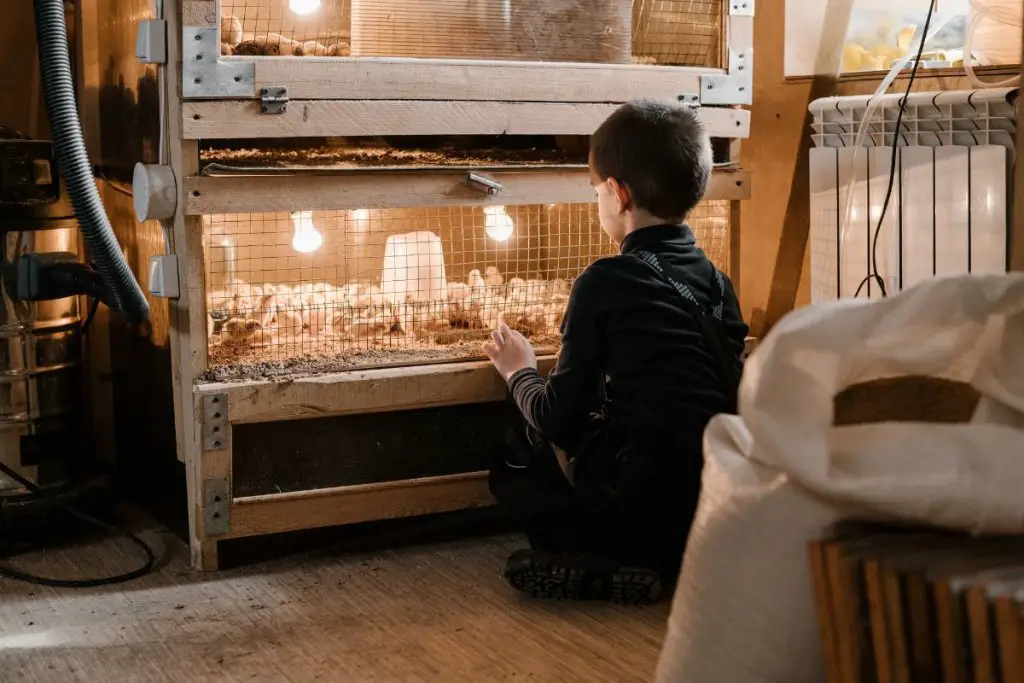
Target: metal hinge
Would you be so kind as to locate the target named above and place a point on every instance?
(216, 507)
(273, 100)
(215, 421)
(691, 99)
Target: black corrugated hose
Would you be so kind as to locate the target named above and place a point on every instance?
(73, 162)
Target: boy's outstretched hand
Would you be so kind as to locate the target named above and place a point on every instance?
(509, 351)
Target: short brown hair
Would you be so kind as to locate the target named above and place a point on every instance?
(660, 151)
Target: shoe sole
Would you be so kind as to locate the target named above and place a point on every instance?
(559, 578)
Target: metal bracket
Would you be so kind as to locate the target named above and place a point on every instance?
(273, 100)
(735, 87)
(215, 422)
(216, 507)
(482, 184)
(691, 99)
(205, 75)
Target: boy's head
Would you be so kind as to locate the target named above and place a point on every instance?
(649, 163)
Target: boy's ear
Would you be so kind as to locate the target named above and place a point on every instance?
(623, 202)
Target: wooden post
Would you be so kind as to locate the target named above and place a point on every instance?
(797, 223)
(1016, 256)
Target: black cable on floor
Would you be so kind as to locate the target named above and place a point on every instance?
(77, 583)
(873, 274)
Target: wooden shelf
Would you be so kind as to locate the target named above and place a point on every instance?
(326, 191)
(242, 119)
(360, 391)
(376, 78)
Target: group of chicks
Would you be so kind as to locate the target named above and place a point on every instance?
(251, 315)
(233, 41)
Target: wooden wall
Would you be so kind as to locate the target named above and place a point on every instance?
(133, 370)
(777, 128)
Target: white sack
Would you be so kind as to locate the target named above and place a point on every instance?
(779, 475)
(961, 476)
(743, 610)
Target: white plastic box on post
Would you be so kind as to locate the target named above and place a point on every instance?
(948, 210)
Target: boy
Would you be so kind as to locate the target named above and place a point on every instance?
(607, 477)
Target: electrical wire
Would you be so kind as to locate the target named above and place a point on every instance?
(17, 575)
(7, 572)
(958, 8)
(873, 273)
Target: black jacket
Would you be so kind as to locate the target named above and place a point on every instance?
(633, 352)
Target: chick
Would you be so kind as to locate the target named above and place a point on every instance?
(492, 277)
(371, 324)
(227, 50)
(230, 31)
(239, 331)
(477, 284)
(536, 291)
(458, 304)
(250, 48)
(558, 289)
(266, 309)
(312, 48)
(339, 50)
(314, 313)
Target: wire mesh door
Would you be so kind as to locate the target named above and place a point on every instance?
(339, 289)
(666, 32)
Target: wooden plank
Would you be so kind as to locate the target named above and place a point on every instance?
(258, 515)
(244, 194)
(362, 391)
(188, 313)
(349, 118)
(335, 78)
(792, 249)
(1016, 256)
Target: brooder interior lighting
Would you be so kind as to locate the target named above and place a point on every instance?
(497, 224)
(307, 238)
(303, 6)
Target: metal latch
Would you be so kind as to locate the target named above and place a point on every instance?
(482, 184)
(273, 100)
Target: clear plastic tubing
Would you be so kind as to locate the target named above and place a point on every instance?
(960, 8)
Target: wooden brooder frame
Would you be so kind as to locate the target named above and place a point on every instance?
(213, 97)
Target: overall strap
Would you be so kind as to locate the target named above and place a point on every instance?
(709, 317)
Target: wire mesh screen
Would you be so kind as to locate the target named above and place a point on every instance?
(678, 32)
(336, 289)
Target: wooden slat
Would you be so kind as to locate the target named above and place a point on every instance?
(429, 79)
(1016, 256)
(362, 391)
(257, 515)
(349, 118)
(243, 194)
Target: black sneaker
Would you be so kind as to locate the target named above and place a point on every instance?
(578, 577)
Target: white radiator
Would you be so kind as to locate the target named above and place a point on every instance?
(949, 209)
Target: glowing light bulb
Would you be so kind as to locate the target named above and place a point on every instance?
(307, 238)
(497, 224)
(361, 214)
(303, 6)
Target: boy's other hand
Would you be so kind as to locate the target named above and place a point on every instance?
(509, 351)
